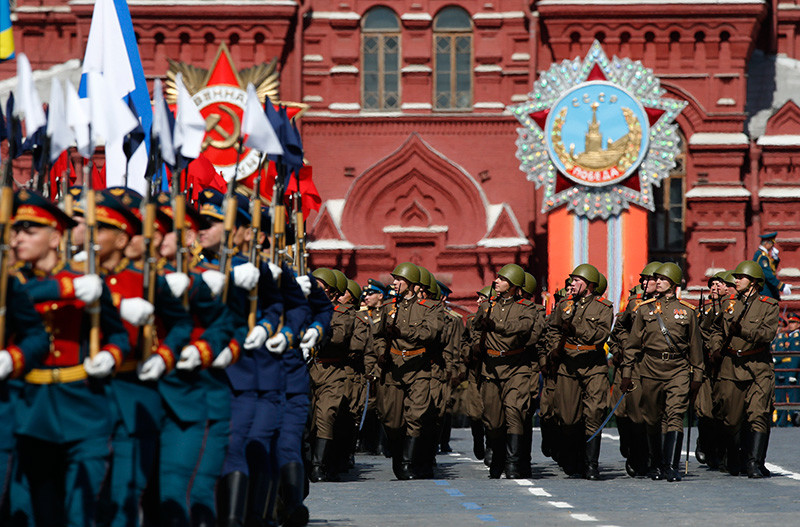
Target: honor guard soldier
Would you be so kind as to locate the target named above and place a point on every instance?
(631, 428)
(786, 352)
(456, 365)
(579, 327)
(191, 450)
(64, 422)
(505, 324)
(137, 408)
(768, 257)
(328, 377)
(373, 295)
(745, 387)
(665, 340)
(409, 326)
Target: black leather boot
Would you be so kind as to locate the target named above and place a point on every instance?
(496, 439)
(701, 450)
(478, 447)
(261, 501)
(654, 454)
(319, 451)
(764, 471)
(636, 464)
(624, 429)
(733, 447)
(444, 435)
(671, 456)
(232, 499)
(293, 481)
(406, 469)
(592, 458)
(546, 429)
(758, 445)
(513, 451)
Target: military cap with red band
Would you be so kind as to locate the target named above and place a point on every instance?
(32, 208)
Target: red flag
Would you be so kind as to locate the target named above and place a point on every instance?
(59, 170)
(202, 175)
(98, 177)
(308, 190)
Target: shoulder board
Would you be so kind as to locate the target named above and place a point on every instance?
(768, 299)
(389, 302)
(341, 308)
(647, 302)
(363, 308)
(687, 304)
(427, 302)
(524, 302)
(604, 301)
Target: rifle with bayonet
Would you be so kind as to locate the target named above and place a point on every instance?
(6, 210)
(90, 213)
(299, 231)
(226, 250)
(255, 244)
(278, 235)
(148, 331)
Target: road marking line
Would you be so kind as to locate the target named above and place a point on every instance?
(524, 482)
(486, 517)
(465, 459)
(583, 517)
(560, 504)
(454, 492)
(536, 491)
(441, 482)
(454, 454)
(471, 506)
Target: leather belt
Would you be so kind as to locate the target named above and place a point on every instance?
(56, 375)
(579, 347)
(508, 353)
(745, 353)
(408, 353)
(664, 355)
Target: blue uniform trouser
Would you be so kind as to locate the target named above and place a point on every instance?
(255, 421)
(6, 464)
(64, 479)
(209, 468)
(132, 465)
(293, 424)
(181, 448)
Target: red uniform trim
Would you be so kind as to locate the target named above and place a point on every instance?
(235, 350)
(206, 355)
(116, 352)
(167, 355)
(17, 359)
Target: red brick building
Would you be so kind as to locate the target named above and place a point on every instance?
(411, 141)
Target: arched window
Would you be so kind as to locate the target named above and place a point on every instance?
(667, 241)
(380, 48)
(452, 51)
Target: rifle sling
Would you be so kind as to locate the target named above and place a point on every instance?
(667, 336)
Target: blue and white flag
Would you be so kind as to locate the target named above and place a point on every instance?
(112, 51)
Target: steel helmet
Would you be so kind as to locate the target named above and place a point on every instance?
(649, 269)
(588, 272)
(486, 291)
(671, 271)
(425, 278)
(354, 288)
(341, 281)
(750, 269)
(435, 292)
(722, 276)
(514, 274)
(326, 276)
(407, 270)
(530, 284)
(602, 285)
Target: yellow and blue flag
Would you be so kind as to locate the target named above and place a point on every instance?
(6, 35)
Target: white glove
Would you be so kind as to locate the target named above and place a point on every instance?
(277, 344)
(190, 358)
(100, 366)
(177, 282)
(136, 311)
(246, 276)
(88, 288)
(305, 284)
(80, 256)
(6, 365)
(256, 338)
(152, 369)
(787, 289)
(310, 338)
(224, 359)
(775, 253)
(214, 280)
(275, 270)
(306, 353)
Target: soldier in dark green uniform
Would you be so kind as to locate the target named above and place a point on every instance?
(740, 344)
(665, 342)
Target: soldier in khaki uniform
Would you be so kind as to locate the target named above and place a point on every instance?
(408, 328)
(531, 350)
(709, 436)
(548, 425)
(472, 396)
(579, 327)
(455, 367)
(631, 428)
(505, 324)
(745, 387)
(328, 377)
(665, 342)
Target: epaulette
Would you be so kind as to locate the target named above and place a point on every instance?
(687, 304)
(390, 302)
(647, 302)
(363, 308)
(427, 302)
(343, 307)
(524, 302)
(768, 299)
(603, 301)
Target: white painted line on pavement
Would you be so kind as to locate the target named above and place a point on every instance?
(560, 504)
(523, 482)
(536, 491)
(454, 454)
(583, 517)
(780, 471)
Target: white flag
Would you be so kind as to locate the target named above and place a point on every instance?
(28, 103)
(110, 117)
(161, 128)
(190, 127)
(259, 134)
(78, 121)
(58, 130)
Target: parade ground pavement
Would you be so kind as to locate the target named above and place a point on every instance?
(462, 494)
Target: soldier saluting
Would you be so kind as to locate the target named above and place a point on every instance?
(745, 389)
(665, 342)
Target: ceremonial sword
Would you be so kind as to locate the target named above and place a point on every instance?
(607, 418)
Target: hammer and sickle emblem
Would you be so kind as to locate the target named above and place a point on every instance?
(228, 139)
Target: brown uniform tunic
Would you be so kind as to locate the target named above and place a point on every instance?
(408, 327)
(708, 316)
(745, 387)
(506, 371)
(472, 397)
(328, 374)
(355, 365)
(664, 371)
(582, 386)
(616, 345)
